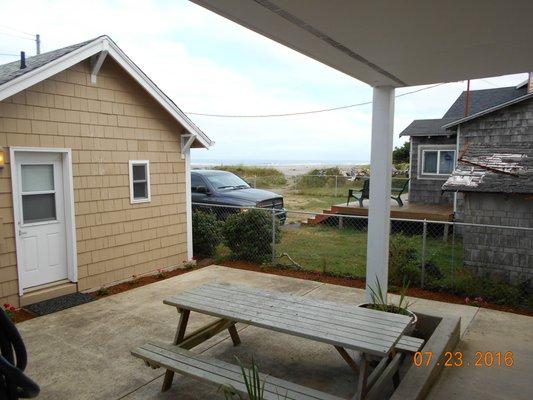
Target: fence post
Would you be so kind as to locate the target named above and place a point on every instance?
(255, 181)
(273, 236)
(336, 182)
(423, 255)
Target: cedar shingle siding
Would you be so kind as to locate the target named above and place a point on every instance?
(496, 200)
(105, 125)
(427, 190)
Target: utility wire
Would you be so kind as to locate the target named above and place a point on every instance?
(306, 112)
(16, 30)
(17, 36)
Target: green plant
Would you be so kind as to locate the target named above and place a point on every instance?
(10, 310)
(103, 291)
(222, 253)
(249, 235)
(189, 265)
(380, 303)
(255, 387)
(401, 154)
(161, 274)
(207, 233)
(403, 261)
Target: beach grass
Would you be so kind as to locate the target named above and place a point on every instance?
(259, 177)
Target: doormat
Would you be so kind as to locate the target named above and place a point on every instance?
(59, 303)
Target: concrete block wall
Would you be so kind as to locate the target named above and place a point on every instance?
(105, 125)
(427, 190)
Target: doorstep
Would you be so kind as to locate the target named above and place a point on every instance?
(47, 292)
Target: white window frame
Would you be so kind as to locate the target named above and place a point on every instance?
(146, 163)
(422, 149)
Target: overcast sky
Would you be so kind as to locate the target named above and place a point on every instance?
(208, 64)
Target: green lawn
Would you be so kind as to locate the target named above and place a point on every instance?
(343, 251)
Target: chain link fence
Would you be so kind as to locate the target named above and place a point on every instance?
(477, 261)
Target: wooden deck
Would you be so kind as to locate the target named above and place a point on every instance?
(408, 211)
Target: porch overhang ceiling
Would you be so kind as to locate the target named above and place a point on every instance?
(396, 43)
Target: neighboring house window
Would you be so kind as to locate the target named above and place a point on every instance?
(438, 162)
(139, 181)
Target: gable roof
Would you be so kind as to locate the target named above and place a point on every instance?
(489, 110)
(427, 127)
(42, 66)
(479, 101)
(483, 99)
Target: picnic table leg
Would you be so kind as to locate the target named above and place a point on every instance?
(361, 381)
(234, 335)
(349, 360)
(180, 334)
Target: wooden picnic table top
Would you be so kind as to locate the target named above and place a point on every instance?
(344, 325)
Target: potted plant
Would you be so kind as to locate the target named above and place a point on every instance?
(379, 303)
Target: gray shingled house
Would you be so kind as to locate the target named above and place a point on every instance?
(482, 163)
(494, 182)
(434, 149)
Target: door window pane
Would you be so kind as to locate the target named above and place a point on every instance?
(446, 162)
(430, 162)
(37, 177)
(38, 207)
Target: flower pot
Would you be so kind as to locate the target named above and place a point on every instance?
(414, 319)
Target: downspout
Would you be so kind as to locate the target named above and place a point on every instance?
(186, 142)
(457, 147)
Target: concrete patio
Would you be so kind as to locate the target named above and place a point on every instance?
(84, 352)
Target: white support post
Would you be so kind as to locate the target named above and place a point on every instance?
(186, 141)
(377, 253)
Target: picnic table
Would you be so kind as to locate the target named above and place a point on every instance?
(345, 327)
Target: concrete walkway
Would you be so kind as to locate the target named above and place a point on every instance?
(83, 352)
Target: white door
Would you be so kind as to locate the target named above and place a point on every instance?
(41, 218)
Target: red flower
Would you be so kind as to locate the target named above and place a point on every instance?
(12, 309)
(7, 305)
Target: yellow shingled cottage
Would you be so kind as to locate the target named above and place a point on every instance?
(94, 173)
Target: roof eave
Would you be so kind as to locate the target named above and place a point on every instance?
(104, 43)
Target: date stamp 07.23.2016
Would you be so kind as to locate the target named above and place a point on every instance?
(453, 359)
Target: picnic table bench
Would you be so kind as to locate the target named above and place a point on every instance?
(364, 193)
(343, 326)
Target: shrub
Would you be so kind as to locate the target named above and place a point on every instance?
(222, 253)
(249, 235)
(466, 283)
(403, 261)
(318, 178)
(206, 233)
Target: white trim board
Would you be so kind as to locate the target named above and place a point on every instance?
(103, 44)
(68, 193)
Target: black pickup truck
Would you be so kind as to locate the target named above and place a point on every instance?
(220, 188)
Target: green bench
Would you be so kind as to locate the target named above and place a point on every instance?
(364, 193)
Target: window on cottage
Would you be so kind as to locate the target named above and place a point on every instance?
(438, 162)
(139, 181)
